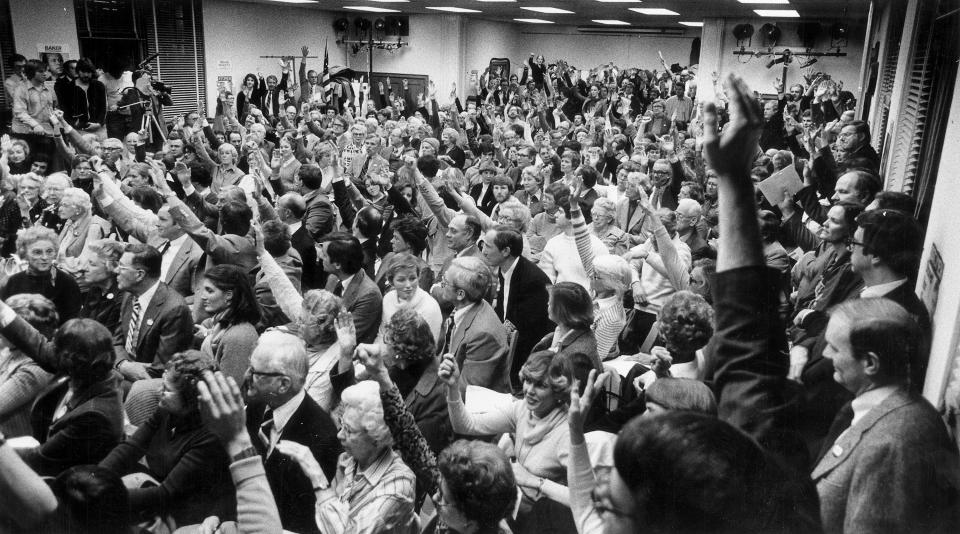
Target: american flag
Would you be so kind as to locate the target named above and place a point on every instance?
(325, 76)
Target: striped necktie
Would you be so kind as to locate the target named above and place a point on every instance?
(133, 330)
(266, 428)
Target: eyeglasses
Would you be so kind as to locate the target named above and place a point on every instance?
(853, 243)
(256, 374)
(127, 268)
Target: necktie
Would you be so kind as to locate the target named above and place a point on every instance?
(840, 425)
(133, 330)
(445, 348)
(500, 296)
(164, 248)
(363, 169)
(266, 427)
(270, 103)
(338, 290)
(657, 195)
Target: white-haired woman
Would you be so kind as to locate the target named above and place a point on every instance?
(373, 490)
(603, 212)
(81, 226)
(450, 152)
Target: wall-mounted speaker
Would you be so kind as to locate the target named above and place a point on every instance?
(398, 25)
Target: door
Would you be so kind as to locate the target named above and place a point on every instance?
(418, 84)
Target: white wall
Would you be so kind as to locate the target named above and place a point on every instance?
(46, 21)
(762, 79)
(942, 232)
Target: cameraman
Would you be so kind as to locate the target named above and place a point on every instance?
(147, 96)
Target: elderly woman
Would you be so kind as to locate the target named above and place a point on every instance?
(450, 152)
(229, 335)
(315, 325)
(409, 236)
(79, 419)
(603, 212)
(23, 210)
(686, 326)
(472, 483)
(38, 246)
(544, 225)
(102, 299)
(53, 189)
(82, 227)
(192, 468)
(531, 192)
(357, 501)
(407, 347)
(22, 379)
(541, 442)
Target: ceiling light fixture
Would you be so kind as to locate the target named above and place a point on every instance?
(692, 24)
(296, 1)
(778, 13)
(548, 10)
(619, 1)
(764, 1)
(653, 11)
(392, 1)
(610, 22)
(371, 9)
(534, 21)
(455, 9)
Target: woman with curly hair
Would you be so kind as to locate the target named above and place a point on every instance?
(686, 326)
(190, 464)
(230, 333)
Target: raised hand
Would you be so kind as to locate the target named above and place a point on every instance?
(346, 330)
(449, 371)
(304, 51)
(305, 459)
(580, 404)
(732, 154)
(371, 357)
(222, 410)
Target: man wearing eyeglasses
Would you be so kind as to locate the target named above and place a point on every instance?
(155, 321)
(278, 409)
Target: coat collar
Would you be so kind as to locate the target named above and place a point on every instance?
(840, 451)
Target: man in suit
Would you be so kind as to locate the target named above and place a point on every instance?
(366, 227)
(629, 217)
(290, 210)
(521, 295)
(369, 163)
(180, 254)
(276, 95)
(667, 176)
(688, 215)
(473, 333)
(279, 409)
(233, 245)
(342, 257)
(888, 464)
(318, 218)
(155, 321)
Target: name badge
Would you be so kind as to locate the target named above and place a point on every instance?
(149, 322)
(837, 450)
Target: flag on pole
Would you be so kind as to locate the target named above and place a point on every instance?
(325, 76)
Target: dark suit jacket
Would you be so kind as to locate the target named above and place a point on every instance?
(479, 342)
(166, 327)
(318, 219)
(182, 274)
(699, 248)
(369, 256)
(579, 341)
(640, 227)
(586, 204)
(895, 470)
(310, 426)
(486, 203)
(362, 298)
(526, 308)
(535, 204)
(305, 246)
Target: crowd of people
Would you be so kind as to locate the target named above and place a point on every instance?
(565, 303)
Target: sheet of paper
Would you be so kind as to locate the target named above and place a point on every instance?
(784, 179)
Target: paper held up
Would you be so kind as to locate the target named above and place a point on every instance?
(785, 179)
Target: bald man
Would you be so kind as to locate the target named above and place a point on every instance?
(290, 210)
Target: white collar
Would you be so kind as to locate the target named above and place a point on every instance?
(176, 243)
(869, 400)
(283, 413)
(509, 272)
(145, 298)
(880, 290)
(460, 312)
(346, 281)
(295, 226)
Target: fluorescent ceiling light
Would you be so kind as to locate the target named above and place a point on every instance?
(653, 11)
(296, 1)
(534, 21)
(692, 24)
(764, 1)
(454, 9)
(619, 1)
(504, 1)
(371, 9)
(782, 13)
(391, 1)
(609, 22)
(548, 10)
